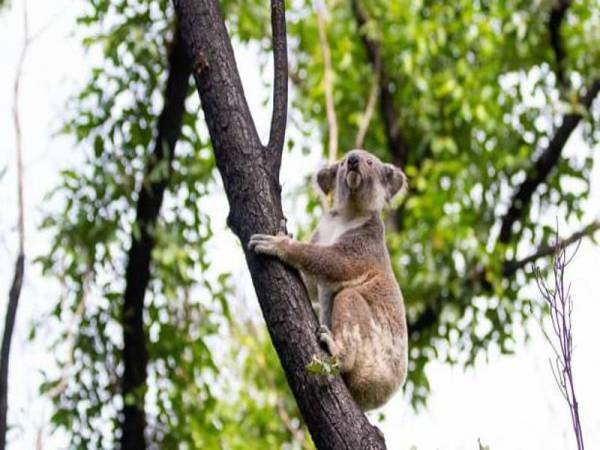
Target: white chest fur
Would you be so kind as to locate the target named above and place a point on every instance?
(332, 227)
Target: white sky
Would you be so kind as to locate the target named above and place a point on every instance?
(509, 403)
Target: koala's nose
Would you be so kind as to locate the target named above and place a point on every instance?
(353, 161)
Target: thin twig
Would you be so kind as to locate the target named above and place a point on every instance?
(327, 80)
(560, 303)
(18, 137)
(369, 109)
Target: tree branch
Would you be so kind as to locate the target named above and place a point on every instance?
(542, 167)
(327, 82)
(510, 267)
(369, 110)
(280, 78)
(557, 15)
(430, 315)
(137, 273)
(396, 143)
(253, 191)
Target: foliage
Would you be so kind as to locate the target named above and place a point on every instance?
(476, 96)
(328, 367)
(477, 99)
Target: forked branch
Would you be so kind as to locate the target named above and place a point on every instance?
(249, 177)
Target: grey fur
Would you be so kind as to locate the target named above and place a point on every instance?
(362, 310)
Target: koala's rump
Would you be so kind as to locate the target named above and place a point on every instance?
(370, 320)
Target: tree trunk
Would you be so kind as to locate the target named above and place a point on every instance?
(137, 275)
(250, 173)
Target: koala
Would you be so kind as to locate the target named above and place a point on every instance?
(362, 315)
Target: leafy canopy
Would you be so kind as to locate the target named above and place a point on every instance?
(476, 99)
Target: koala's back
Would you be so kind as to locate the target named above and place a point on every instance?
(366, 313)
(381, 359)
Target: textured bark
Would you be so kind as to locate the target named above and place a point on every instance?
(137, 275)
(253, 190)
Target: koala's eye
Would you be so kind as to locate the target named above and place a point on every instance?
(370, 162)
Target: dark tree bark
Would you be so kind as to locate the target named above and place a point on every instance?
(557, 15)
(251, 179)
(9, 325)
(137, 275)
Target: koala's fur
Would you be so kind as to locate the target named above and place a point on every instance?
(363, 321)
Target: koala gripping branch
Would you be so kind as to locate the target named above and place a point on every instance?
(250, 176)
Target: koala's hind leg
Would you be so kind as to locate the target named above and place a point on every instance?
(350, 316)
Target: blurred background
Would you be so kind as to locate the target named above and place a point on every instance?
(488, 107)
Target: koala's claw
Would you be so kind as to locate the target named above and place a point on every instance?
(283, 228)
(326, 338)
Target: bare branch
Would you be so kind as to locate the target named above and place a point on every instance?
(327, 81)
(542, 167)
(18, 138)
(280, 78)
(561, 306)
(369, 109)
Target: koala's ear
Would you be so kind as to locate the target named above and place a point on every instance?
(394, 181)
(326, 178)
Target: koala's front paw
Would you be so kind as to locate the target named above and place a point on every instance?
(267, 244)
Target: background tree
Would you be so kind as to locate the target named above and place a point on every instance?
(476, 100)
(14, 293)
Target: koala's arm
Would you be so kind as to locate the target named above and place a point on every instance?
(328, 262)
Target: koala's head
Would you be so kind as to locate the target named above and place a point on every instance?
(360, 182)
